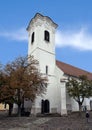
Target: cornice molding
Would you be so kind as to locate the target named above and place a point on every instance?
(38, 18)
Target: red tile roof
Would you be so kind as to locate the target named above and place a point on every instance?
(72, 71)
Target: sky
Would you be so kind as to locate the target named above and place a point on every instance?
(73, 36)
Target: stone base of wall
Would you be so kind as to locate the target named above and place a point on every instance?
(38, 110)
(53, 110)
(88, 107)
(63, 112)
(35, 110)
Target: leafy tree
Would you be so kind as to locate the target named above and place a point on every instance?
(22, 80)
(79, 88)
(6, 90)
(1, 75)
(4, 94)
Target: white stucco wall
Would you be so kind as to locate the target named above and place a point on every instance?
(44, 52)
(61, 95)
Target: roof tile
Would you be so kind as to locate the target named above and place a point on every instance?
(73, 71)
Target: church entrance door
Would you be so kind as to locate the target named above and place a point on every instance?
(45, 106)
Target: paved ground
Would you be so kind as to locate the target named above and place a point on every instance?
(70, 122)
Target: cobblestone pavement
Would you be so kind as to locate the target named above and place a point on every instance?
(70, 122)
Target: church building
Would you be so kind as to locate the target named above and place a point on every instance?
(41, 44)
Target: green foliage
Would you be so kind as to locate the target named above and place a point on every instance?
(79, 88)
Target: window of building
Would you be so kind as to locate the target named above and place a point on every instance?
(32, 38)
(46, 36)
(46, 69)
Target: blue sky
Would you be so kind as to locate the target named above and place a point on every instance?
(73, 36)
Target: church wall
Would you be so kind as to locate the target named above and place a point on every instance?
(71, 104)
(46, 59)
(50, 95)
(58, 77)
(74, 104)
(87, 103)
(48, 46)
(61, 94)
(68, 102)
(31, 48)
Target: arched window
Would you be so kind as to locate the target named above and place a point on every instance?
(46, 36)
(46, 69)
(32, 38)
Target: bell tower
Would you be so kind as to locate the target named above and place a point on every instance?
(41, 38)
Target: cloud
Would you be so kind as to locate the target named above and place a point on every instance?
(79, 39)
(18, 35)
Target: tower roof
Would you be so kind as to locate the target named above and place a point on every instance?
(40, 16)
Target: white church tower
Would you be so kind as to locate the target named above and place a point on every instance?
(41, 30)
